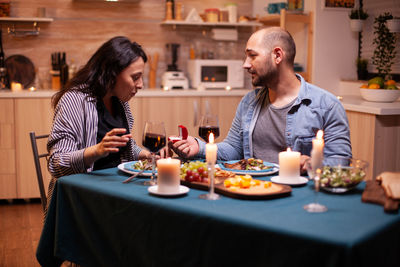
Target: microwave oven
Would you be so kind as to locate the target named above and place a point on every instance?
(216, 73)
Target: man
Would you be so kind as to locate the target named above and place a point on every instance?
(284, 112)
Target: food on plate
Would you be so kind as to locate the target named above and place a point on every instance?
(142, 165)
(250, 164)
(223, 173)
(341, 176)
(244, 182)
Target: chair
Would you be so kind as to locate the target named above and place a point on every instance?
(36, 158)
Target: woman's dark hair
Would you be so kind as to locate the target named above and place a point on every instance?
(100, 72)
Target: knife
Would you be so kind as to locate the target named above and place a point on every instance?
(132, 177)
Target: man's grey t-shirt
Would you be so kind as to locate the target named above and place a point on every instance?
(269, 132)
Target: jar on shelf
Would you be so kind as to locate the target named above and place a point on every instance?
(223, 15)
(232, 10)
(212, 14)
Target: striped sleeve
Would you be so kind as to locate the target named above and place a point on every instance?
(74, 129)
(134, 150)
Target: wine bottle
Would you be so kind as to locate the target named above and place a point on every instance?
(3, 71)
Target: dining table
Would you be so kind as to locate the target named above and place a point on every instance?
(94, 219)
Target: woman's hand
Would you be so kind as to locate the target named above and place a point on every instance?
(110, 143)
(185, 148)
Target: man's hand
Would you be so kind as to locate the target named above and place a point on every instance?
(303, 160)
(185, 148)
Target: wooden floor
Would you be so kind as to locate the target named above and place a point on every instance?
(21, 224)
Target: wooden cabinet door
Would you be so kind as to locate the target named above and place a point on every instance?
(31, 115)
(8, 184)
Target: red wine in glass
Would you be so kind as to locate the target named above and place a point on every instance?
(204, 132)
(154, 142)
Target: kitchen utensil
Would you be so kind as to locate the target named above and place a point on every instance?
(133, 177)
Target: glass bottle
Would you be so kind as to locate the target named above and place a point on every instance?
(3, 71)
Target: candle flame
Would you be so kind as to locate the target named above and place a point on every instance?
(211, 138)
(320, 134)
(288, 149)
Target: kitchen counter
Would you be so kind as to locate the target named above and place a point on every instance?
(358, 104)
(141, 93)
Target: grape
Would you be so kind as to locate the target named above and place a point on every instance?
(200, 170)
(189, 172)
(196, 177)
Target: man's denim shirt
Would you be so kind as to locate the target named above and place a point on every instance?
(313, 109)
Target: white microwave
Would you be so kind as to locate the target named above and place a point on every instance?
(216, 73)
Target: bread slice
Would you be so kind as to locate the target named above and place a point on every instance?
(390, 182)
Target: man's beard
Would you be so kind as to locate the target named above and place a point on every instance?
(265, 79)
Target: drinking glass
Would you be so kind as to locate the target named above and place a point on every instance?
(316, 176)
(154, 140)
(208, 124)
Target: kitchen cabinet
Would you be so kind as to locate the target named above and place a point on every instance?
(8, 188)
(376, 139)
(283, 20)
(31, 114)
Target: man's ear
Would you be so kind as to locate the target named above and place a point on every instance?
(278, 55)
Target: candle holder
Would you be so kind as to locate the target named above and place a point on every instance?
(315, 207)
(211, 194)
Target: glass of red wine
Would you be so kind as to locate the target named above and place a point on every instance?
(208, 124)
(154, 140)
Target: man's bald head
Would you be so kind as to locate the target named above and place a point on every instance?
(275, 36)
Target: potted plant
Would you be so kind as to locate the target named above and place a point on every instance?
(357, 17)
(385, 46)
(362, 68)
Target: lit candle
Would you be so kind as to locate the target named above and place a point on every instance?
(15, 87)
(168, 171)
(317, 153)
(289, 164)
(211, 150)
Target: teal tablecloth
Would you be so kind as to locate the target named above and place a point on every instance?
(95, 220)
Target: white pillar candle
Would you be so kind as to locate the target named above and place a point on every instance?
(211, 150)
(289, 164)
(168, 171)
(317, 153)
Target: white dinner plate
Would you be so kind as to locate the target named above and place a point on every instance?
(128, 167)
(274, 169)
(182, 190)
(297, 181)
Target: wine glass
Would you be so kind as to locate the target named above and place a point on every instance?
(208, 124)
(314, 174)
(153, 139)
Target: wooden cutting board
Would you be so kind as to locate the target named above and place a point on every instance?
(374, 193)
(255, 192)
(20, 69)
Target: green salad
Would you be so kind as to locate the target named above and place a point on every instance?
(143, 165)
(341, 176)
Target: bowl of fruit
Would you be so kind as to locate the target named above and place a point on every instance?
(343, 174)
(379, 90)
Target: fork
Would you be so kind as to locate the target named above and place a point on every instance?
(133, 176)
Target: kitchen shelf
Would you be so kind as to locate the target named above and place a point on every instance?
(22, 19)
(286, 17)
(24, 32)
(211, 24)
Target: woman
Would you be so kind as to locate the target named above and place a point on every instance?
(92, 119)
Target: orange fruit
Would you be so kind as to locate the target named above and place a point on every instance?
(374, 86)
(390, 82)
(364, 86)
